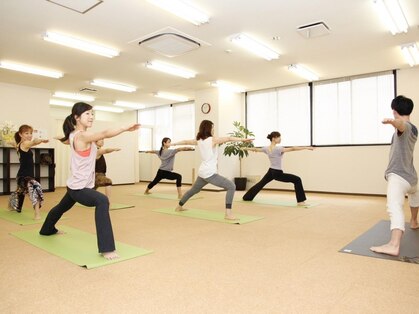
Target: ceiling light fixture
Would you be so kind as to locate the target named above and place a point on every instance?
(74, 96)
(130, 105)
(255, 47)
(80, 44)
(182, 10)
(392, 15)
(171, 96)
(108, 109)
(112, 85)
(303, 72)
(227, 86)
(170, 69)
(29, 69)
(411, 53)
(61, 103)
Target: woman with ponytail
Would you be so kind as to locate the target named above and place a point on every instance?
(167, 157)
(80, 185)
(26, 184)
(207, 173)
(275, 172)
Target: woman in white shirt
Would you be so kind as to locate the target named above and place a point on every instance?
(207, 173)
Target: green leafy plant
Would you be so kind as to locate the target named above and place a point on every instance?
(236, 148)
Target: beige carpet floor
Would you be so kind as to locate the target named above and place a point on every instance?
(287, 262)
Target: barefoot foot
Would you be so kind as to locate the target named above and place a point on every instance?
(386, 249)
(180, 209)
(110, 255)
(231, 217)
(37, 217)
(302, 204)
(414, 225)
(147, 192)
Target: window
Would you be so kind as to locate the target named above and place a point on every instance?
(349, 111)
(286, 110)
(175, 121)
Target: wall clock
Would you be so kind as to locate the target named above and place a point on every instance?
(205, 108)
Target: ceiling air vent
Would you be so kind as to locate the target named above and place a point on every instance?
(170, 42)
(313, 30)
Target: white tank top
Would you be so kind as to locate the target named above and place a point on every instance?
(82, 166)
(209, 156)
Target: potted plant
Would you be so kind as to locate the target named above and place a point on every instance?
(236, 149)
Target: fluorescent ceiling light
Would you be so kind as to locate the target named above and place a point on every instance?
(74, 96)
(171, 96)
(130, 105)
(170, 69)
(392, 15)
(62, 103)
(80, 44)
(255, 47)
(182, 10)
(411, 53)
(108, 109)
(228, 86)
(29, 69)
(303, 72)
(112, 85)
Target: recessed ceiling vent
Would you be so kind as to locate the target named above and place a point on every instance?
(313, 30)
(80, 6)
(88, 90)
(170, 43)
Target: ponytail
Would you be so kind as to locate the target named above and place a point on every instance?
(272, 135)
(70, 122)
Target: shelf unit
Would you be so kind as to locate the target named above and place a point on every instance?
(9, 166)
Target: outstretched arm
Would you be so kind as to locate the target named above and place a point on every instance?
(103, 151)
(151, 151)
(253, 149)
(293, 149)
(222, 140)
(185, 142)
(184, 149)
(34, 142)
(108, 133)
(399, 124)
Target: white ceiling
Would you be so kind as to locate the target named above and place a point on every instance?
(358, 43)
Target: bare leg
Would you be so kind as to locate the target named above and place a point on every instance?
(393, 247)
(108, 192)
(37, 212)
(110, 255)
(147, 191)
(414, 219)
(179, 192)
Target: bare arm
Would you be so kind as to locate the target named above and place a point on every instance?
(185, 142)
(399, 124)
(222, 140)
(253, 149)
(151, 152)
(293, 149)
(103, 151)
(89, 137)
(28, 144)
(184, 149)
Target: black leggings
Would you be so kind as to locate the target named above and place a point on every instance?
(164, 174)
(278, 175)
(87, 197)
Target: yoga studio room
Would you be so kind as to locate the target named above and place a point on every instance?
(206, 156)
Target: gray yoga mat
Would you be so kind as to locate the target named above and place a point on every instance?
(380, 234)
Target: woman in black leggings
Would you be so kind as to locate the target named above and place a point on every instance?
(275, 171)
(167, 157)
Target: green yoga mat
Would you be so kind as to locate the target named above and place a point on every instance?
(276, 203)
(208, 215)
(23, 218)
(78, 247)
(113, 206)
(166, 196)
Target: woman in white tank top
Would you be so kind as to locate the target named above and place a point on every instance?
(207, 173)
